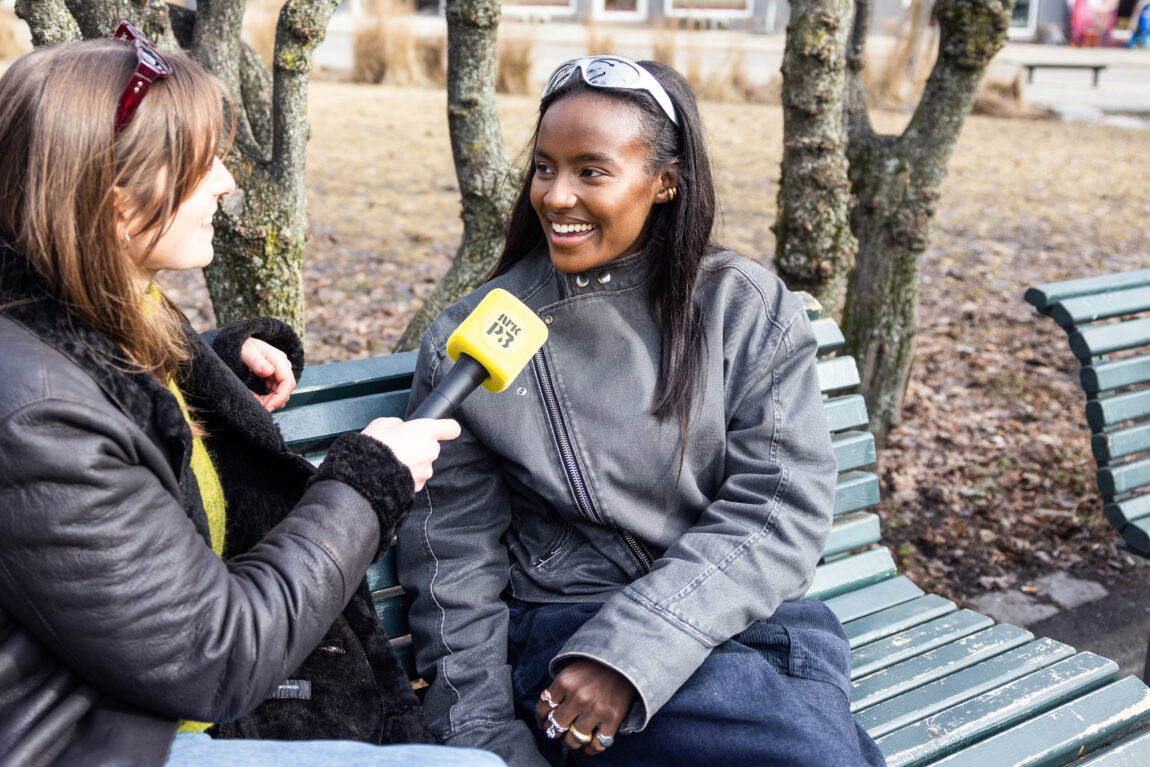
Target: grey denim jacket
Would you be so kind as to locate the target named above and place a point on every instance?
(564, 488)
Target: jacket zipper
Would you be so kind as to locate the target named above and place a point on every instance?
(571, 464)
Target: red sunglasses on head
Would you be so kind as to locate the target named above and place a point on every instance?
(150, 66)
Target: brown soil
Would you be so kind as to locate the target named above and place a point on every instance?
(988, 480)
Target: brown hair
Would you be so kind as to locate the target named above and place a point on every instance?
(62, 160)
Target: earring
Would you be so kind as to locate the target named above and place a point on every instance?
(671, 193)
(127, 239)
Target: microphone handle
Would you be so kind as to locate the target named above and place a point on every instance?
(463, 378)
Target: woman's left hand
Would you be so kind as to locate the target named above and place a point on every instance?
(272, 365)
(585, 706)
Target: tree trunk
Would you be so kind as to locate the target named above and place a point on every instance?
(814, 242)
(896, 181)
(261, 228)
(487, 180)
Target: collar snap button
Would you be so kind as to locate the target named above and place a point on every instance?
(604, 278)
(581, 280)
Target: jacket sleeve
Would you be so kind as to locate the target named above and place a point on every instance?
(229, 339)
(757, 542)
(101, 563)
(454, 566)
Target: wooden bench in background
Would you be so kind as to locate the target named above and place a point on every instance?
(1107, 321)
(934, 684)
(1097, 69)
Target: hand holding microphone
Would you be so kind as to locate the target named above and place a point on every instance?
(490, 347)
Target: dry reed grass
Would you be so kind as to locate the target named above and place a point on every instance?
(15, 39)
(259, 27)
(515, 60)
(385, 46)
(731, 82)
(599, 43)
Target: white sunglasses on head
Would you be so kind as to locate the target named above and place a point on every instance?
(612, 72)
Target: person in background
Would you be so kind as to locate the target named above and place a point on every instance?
(609, 567)
(166, 563)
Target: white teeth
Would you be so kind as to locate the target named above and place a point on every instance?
(571, 228)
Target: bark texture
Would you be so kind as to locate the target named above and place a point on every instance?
(815, 246)
(487, 180)
(261, 228)
(895, 180)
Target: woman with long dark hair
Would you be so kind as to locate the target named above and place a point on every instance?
(609, 564)
(166, 564)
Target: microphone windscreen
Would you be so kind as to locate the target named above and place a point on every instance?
(501, 334)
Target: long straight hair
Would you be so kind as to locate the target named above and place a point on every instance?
(679, 231)
(62, 160)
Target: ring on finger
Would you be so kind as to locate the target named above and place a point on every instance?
(604, 740)
(554, 729)
(545, 696)
(582, 738)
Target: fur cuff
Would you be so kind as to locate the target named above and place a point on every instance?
(370, 467)
(228, 340)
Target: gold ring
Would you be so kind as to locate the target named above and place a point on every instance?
(580, 737)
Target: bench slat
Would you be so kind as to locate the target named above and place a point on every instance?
(381, 574)
(852, 531)
(855, 490)
(1114, 374)
(843, 575)
(1042, 296)
(1079, 726)
(1115, 480)
(934, 664)
(916, 640)
(391, 610)
(993, 712)
(837, 373)
(963, 685)
(1093, 341)
(827, 336)
(354, 378)
(1110, 445)
(1111, 411)
(854, 449)
(870, 599)
(1137, 535)
(1134, 752)
(1074, 311)
(846, 412)
(895, 619)
(314, 426)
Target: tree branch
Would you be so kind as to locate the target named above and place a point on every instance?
(50, 21)
(971, 32)
(300, 29)
(856, 115)
(99, 20)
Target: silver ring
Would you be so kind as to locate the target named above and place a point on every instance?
(554, 729)
(605, 740)
(545, 696)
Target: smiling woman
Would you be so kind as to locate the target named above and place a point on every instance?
(637, 527)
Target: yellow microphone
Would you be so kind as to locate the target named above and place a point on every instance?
(490, 347)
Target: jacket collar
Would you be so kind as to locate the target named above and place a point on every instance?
(621, 274)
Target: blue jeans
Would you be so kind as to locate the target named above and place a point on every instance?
(199, 750)
(776, 694)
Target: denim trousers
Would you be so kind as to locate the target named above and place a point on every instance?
(199, 750)
(776, 694)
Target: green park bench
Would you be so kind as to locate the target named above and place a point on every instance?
(1109, 332)
(932, 683)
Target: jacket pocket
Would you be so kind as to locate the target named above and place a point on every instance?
(555, 549)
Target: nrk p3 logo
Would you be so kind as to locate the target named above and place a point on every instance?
(504, 330)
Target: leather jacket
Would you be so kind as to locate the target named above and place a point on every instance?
(116, 619)
(564, 488)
